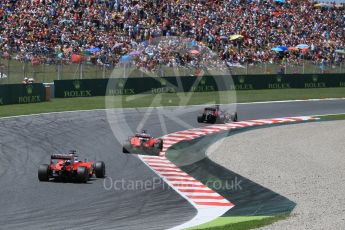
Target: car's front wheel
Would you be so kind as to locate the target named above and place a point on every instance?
(159, 144)
(234, 117)
(126, 148)
(100, 169)
(43, 172)
(200, 119)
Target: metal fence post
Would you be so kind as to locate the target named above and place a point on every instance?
(103, 75)
(59, 71)
(81, 70)
(303, 67)
(265, 68)
(8, 71)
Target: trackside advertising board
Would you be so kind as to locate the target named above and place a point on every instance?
(22, 93)
(130, 86)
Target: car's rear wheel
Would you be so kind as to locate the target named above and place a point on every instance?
(200, 119)
(100, 169)
(212, 119)
(234, 117)
(159, 144)
(82, 174)
(43, 172)
(126, 148)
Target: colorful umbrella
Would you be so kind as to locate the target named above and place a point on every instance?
(284, 48)
(280, 1)
(194, 52)
(276, 49)
(135, 52)
(76, 58)
(305, 50)
(293, 49)
(235, 36)
(93, 50)
(323, 5)
(302, 46)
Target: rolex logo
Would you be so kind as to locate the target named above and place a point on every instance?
(279, 79)
(315, 78)
(203, 81)
(163, 82)
(241, 79)
(76, 85)
(120, 83)
(29, 89)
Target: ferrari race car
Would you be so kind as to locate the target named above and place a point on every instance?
(68, 167)
(143, 143)
(214, 115)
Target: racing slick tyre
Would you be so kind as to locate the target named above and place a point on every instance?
(82, 174)
(234, 117)
(100, 169)
(200, 119)
(126, 148)
(159, 144)
(43, 172)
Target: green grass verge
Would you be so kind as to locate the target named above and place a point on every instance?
(333, 117)
(58, 105)
(239, 223)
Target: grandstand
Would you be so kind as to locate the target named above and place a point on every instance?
(81, 38)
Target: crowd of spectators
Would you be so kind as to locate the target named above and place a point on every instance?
(104, 32)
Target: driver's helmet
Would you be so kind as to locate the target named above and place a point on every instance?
(143, 135)
(67, 162)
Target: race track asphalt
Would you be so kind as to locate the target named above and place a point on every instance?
(26, 142)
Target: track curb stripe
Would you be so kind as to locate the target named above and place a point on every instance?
(209, 204)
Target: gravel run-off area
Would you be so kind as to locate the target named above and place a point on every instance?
(303, 162)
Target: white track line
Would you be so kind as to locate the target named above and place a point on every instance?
(176, 106)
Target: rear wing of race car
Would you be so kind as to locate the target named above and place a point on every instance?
(210, 109)
(62, 157)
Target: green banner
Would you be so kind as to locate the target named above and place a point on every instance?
(149, 85)
(22, 93)
(248, 82)
(130, 86)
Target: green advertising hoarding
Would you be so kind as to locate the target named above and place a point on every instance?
(247, 82)
(22, 93)
(129, 86)
(150, 85)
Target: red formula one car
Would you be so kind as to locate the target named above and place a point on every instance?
(143, 143)
(214, 115)
(68, 167)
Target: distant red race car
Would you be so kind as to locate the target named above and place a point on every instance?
(68, 167)
(215, 115)
(143, 143)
